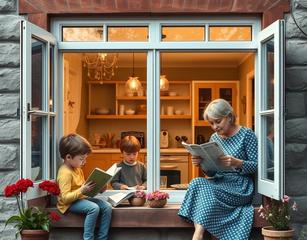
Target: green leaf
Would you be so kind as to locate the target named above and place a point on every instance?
(13, 219)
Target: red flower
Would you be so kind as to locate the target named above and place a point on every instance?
(23, 185)
(50, 186)
(10, 190)
(54, 216)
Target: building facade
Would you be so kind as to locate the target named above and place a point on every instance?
(39, 13)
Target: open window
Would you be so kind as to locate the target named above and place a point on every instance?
(38, 104)
(269, 112)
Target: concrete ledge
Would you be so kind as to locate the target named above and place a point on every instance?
(142, 217)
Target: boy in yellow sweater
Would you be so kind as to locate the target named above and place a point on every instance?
(74, 150)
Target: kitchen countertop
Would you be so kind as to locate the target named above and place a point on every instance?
(143, 150)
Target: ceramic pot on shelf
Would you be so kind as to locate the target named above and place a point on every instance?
(29, 234)
(135, 201)
(270, 234)
(157, 203)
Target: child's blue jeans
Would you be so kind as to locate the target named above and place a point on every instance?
(92, 208)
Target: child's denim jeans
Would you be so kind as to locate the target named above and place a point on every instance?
(94, 208)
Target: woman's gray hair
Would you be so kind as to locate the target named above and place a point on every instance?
(219, 108)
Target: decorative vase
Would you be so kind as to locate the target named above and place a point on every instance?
(135, 201)
(34, 235)
(270, 234)
(157, 203)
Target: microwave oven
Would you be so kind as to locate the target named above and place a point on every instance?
(139, 135)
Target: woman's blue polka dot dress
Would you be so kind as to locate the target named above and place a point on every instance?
(222, 205)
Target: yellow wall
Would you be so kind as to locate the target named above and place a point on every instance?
(244, 69)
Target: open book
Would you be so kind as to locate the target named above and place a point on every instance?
(101, 178)
(210, 153)
(120, 197)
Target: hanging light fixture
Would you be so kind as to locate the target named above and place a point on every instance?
(100, 66)
(133, 84)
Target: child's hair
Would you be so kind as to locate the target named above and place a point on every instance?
(129, 144)
(74, 144)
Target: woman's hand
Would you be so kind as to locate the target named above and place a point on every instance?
(231, 161)
(196, 160)
(87, 187)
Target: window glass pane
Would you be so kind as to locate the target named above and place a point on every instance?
(37, 73)
(51, 85)
(269, 73)
(230, 33)
(128, 34)
(52, 149)
(205, 97)
(268, 150)
(226, 93)
(37, 148)
(81, 34)
(183, 33)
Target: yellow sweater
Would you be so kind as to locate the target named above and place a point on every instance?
(70, 182)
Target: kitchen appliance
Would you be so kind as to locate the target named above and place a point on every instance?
(139, 135)
(164, 139)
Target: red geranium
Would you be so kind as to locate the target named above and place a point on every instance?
(54, 216)
(50, 186)
(32, 218)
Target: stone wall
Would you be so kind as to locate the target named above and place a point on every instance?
(9, 108)
(296, 111)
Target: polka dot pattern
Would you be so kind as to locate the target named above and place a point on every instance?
(223, 204)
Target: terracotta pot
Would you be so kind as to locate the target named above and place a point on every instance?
(270, 234)
(157, 203)
(34, 235)
(135, 201)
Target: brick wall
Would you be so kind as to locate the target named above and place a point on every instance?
(296, 111)
(9, 105)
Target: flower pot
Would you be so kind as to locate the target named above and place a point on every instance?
(135, 201)
(270, 234)
(157, 203)
(34, 235)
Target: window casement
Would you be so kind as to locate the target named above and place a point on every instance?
(113, 36)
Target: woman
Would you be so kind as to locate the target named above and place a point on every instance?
(222, 205)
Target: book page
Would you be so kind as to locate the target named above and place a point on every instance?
(112, 170)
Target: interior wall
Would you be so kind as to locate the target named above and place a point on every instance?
(244, 69)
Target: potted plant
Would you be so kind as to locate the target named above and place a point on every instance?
(32, 222)
(277, 213)
(138, 198)
(157, 199)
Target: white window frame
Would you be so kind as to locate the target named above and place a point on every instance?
(274, 189)
(29, 31)
(153, 48)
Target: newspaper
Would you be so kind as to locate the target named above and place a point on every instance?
(210, 154)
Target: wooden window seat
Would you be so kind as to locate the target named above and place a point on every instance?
(141, 217)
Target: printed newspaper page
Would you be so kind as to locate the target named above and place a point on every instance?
(210, 153)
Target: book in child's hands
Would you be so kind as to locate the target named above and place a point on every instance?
(210, 154)
(101, 178)
(120, 197)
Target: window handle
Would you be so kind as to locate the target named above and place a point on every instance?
(34, 111)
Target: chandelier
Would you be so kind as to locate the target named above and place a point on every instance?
(100, 66)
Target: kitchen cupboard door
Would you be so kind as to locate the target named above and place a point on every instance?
(206, 91)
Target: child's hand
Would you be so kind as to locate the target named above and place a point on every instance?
(103, 189)
(123, 187)
(87, 187)
(140, 187)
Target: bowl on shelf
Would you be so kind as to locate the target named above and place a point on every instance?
(172, 93)
(102, 111)
(130, 112)
(178, 112)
